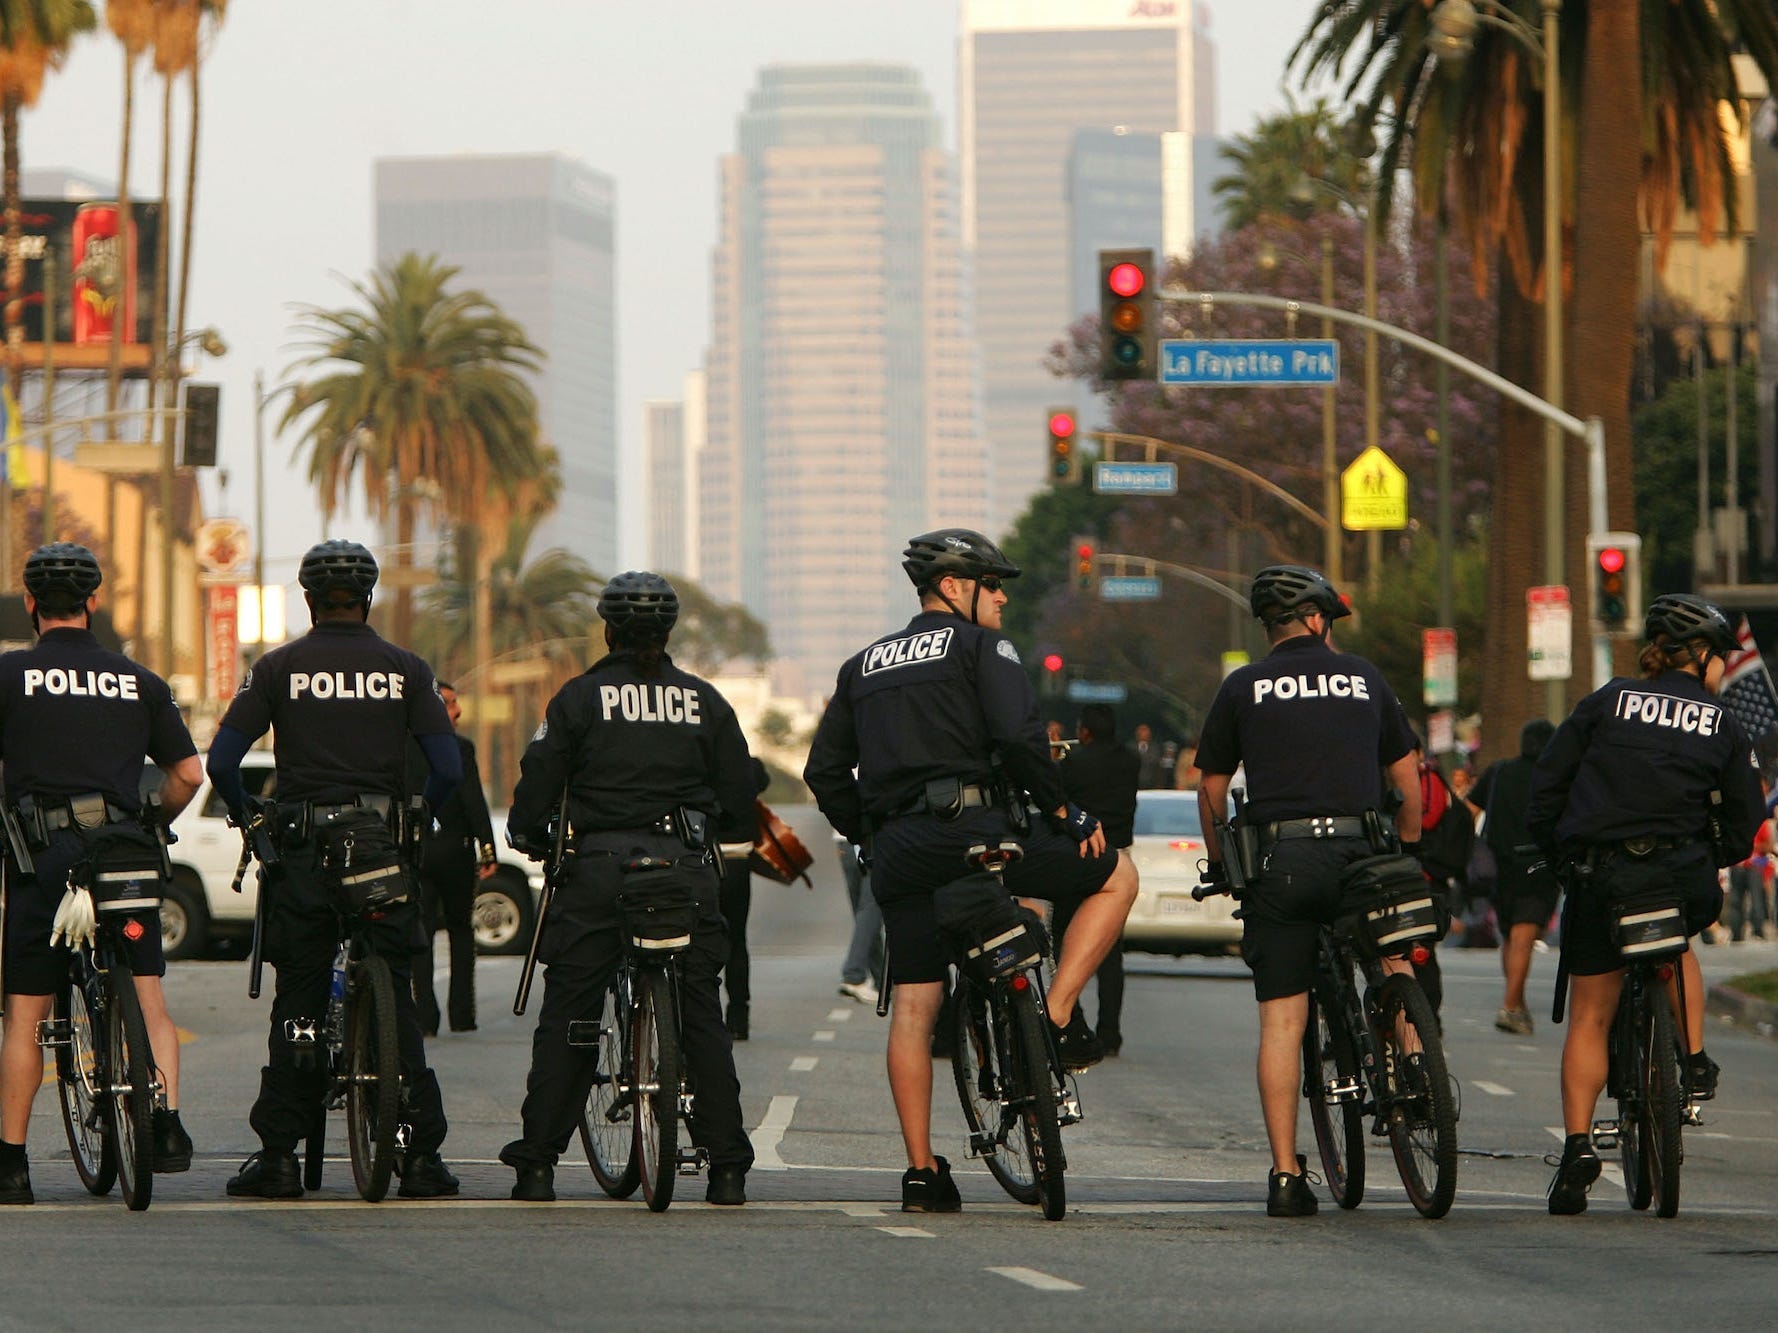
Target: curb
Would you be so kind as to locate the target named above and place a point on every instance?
(1745, 1011)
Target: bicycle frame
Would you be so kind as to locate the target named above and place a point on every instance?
(1339, 958)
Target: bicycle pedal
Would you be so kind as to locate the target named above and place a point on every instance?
(1342, 1090)
(404, 1136)
(584, 1032)
(1605, 1134)
(692, 1161)
(1068, 1110)
(53, 1032)
(301, 1031)
(1693, 1114)
(982, 1144)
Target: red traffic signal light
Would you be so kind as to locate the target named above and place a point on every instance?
(1615, 581)
(1085, 552)
(1126, 279)
(1611, 559)
(1052, 662)
(1126, 315)
(1061, 452)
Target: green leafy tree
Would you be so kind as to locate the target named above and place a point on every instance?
(712, 635)
(1271, 163)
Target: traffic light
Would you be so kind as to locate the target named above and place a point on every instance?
(1052, 674)
(201, 404)
(1126, 315)
(1064, 463)
(1085, 551)
(1615, 559)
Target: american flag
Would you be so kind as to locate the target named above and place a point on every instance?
(1747, 688)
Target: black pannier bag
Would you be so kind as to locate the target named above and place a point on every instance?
(1387, 902)
(123, 867)
(360, 862)
(659, 912)
(1645, 904)
(992, 932)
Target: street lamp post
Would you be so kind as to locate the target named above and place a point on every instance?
(1330, 469)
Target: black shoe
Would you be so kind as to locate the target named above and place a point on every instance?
(1705, 1072)
(737, 1022)
(425, 1176)
(1077, 1045)
(268, 1174)
(1576, 1172)
(1289, 1195)
(1112, 1041)
(15, 1184)
(172, 1145)
(728, 1185)
(463, 1027)
(536, 1183)
(930, 1190)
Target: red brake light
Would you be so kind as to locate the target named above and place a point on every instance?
(1053, 662)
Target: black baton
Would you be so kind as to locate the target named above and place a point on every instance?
(552, 873)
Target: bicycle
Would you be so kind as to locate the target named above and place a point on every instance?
(1016, 1095)
(640, 1090)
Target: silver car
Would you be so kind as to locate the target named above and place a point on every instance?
(1168, 847)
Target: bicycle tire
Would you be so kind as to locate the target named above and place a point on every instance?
(1663, 1108)
(1421, 1111)
(655, 1052)
(979, 1067)
(1034, 1081)
(608, 1122)
(80, 1080)
(1628, 1057)
(315, 1150)
(1339, 1126)
(373, 1060)
(131, 1066)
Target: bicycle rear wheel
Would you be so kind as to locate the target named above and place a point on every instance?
(81, 1081)
(608, 1124)
(1629, 1066)
(655, 1049)
(1034, 1082)
(130, 1063)
(979, 1066)
(1330, 1061)
(1662, 1106)
(1421, 1109)
(373, 1063)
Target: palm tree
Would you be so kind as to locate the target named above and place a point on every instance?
(1270, 163)
(132, 23)
(421, 386)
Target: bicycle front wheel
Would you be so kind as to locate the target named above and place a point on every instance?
(373, 1064)
(130, 1063)
(1034, 1081)
(1662, 1105)
(82, 1081)
(654, 1047)
(1420, 1108)
(608, 1125)
(980, 1067)
(1335, 1091)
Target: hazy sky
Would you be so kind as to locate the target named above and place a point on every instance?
(299, 98)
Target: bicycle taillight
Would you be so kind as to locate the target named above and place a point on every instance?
(1021, 982)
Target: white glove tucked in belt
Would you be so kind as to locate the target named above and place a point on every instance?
(75, 919)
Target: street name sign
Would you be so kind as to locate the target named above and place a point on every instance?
(1130, 588)
(1135, 478)
(1096, 692)
(1250, 362)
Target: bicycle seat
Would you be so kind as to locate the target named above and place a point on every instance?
(992, 859)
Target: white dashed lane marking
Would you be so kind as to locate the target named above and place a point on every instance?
(804, 1063)
(1042, 1281)
(839, 1015)
(826, 1034)
(771, 1133)
(907, 1233)
(1493, 1089)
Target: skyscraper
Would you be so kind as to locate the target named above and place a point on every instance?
(534, 234)
(672, 438)
(840, 412)
(1030, 74)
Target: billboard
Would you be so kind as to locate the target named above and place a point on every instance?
(96, 272)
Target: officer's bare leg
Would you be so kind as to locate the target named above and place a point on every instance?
(1515, 961)
(1592, 1003)
(1281, 1026)
(911, 1018)
(1097, 927)
(21, 1063)
(163, 1037)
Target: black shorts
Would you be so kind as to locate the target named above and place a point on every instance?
(32, 966)
(1588, 945)
(1285, 907)
(1525, 893)
(913, 856)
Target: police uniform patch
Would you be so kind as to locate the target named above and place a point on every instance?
(1006, 650)
(246, 682)
(541, 732)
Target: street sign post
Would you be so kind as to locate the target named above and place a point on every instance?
(1373, 493)
(1439, 666)
(1096, 692)
(1250, 362)
(1130, 587)
(1135, 478)
(1549, 638)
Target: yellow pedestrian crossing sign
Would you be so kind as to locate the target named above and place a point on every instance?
(1373, 493)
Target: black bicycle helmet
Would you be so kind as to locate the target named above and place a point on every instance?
(63, 574)
(641, 600)
(1682, 617)
(1279, 590)
(338, 564)
(956, 551)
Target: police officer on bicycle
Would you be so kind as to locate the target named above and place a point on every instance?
(1312, 727)
(342, 702)
(1622, 795)
(75, 721)
(656, 772)
(940, 723)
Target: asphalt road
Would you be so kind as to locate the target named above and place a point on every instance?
(1167, 1227)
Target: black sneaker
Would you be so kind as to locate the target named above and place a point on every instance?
(1077, 1045)
(737, 1022)
(1575, 1174)
(172, 1145)
(536, 1183)
(1289, 1195)
(1705, 1072)
(930, 1191)
(268, 1174)
(15, 1183)
(728, 1185)
(425, 1176)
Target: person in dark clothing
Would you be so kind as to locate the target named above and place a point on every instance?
(736, 900)
(1099, 775)
(1525, 887)
(456, 856)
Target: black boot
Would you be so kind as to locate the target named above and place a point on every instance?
(172, 1145)
(15, 1175)
(425, 1176)
(728, 1185)
(536, 1183)
(268, 1174)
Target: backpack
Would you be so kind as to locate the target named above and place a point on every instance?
(1445, 847)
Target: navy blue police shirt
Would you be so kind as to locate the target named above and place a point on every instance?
(341, 702)
(940, 698)
(77, 718)
(1639, 758)
(1311, 725)
(631, 746)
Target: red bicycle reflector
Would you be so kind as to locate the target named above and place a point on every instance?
(1611, 559)
(1021, 982)
(1420, 955)
(1664, 972)
(1186, 845)
(1126, 279)
(1062, 423)
(1053, 662)
(132, 930)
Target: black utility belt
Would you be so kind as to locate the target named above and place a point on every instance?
(944, 798)
(302, 818)
(38, 818)
(1318, 826)
(691, 827)
(1637, 848)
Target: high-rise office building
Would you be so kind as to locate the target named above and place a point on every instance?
(672, 438)
(841, 396)
(534, 234)
(1030, 74)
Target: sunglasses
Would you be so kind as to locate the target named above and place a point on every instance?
(988, 583)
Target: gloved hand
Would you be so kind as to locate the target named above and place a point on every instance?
(1075, 822)
(75, 920)
(1215, 874)
(533, 849)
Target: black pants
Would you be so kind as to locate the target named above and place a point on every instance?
(447, 890)
(301, 937)
(735, 901)
(582, 946)
(1110, 976)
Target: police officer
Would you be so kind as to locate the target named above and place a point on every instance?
(75, 721)
(1312, 726)
(941, 724)
(655, 767)
(342, 703)
(1624, 788)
